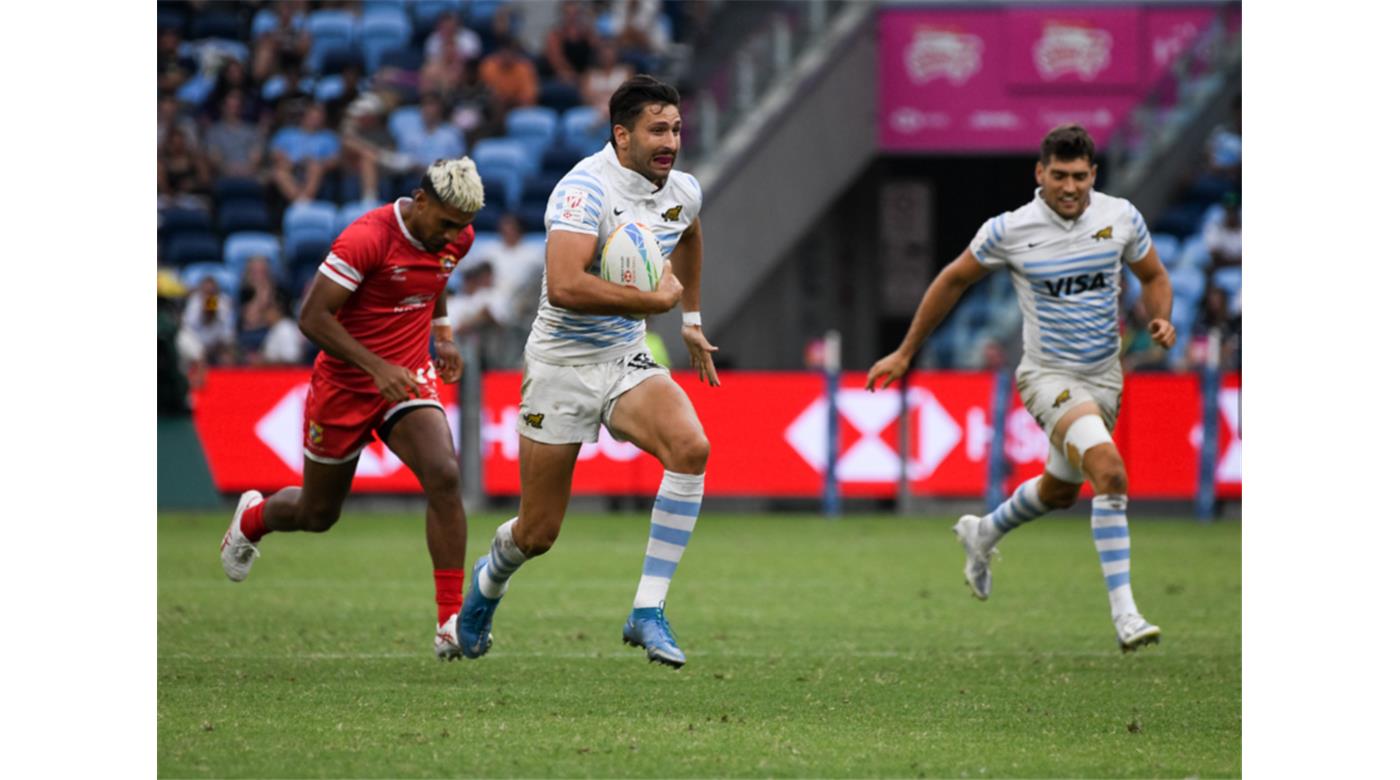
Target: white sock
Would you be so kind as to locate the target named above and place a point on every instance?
(1110, 523)
(505, 559)
(1023, 506)
(672, 521)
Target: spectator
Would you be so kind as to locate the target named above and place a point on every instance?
(1215, 319)
(257, 293)
(171, 69)
(437, 140)
(447, 53)
(571, 44)
(500, 306)
(286, 46)
(233, 77)
(182, 173)
(235, 145)
(603, 79)
(640, 35)
(510, 75)
(169, 116)
(1223, 238)
(284, 344)
(172, 384)
(469, 309)
(303, 154)
(209, 318)
(369, 146)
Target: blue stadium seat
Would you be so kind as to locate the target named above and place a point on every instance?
(305, 247)
(331, 24)
(531, 214)
(1168, 248)
(316, 214)
(265, 21)
(541, 187)
(404, 122)
(426, 13)
(241, 246)
(349, 213)
(1194, 252)
(1132, 288)
(503, 185)
(584, 130)
(407, 58)
(558, 95)
(217, 24)
(383, 30)
(489, 218)
(274, 88)
(1188, 283)
(170, 17)
(329, 89)
(534, 125)
(173, 222)
(196, 89)
(505, 153)
(194, 273)
(188, 248)
(237, 188)
(482, 12)
(243, 215)
(331, 55)
(558, 160)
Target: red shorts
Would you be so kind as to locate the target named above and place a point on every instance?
(338, 423)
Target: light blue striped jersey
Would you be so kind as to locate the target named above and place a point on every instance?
(1067, 276)
(594, 198)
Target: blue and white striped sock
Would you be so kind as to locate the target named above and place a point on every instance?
(1110, 523)
(672, 521)
(1023, 506)
(505, 559)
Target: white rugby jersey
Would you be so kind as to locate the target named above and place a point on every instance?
(1067, 276)
(594, 198)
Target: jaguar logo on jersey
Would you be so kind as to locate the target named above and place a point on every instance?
(1074, 285)
(672, 214)
(535, 420)
(1061, 398)
(1102, 234)
(314, 432)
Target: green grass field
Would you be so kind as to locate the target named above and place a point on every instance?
(816, 648)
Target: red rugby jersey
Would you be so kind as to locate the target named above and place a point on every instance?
(394, 283)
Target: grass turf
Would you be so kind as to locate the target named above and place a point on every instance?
(816, 648)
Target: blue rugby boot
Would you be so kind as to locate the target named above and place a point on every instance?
(474, 621)
(647, 627)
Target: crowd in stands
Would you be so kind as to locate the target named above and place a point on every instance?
(279, 123)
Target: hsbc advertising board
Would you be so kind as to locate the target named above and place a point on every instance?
(767, 433)
(996, 78)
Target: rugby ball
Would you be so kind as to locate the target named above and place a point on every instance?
(632, 257)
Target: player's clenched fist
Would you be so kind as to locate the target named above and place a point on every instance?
(669, 288)
(395, 383)
(891, 366)
(1162, 332)
(449, 360)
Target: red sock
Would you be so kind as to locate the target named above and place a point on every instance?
(449, 592)
(251, 523)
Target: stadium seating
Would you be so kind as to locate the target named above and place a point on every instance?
(242, 215)
(503, 186)
(329, 89)
(558, 95)
(173, 222)
(188, 248)
(584, 132)
(316, 214)
(239, 247)
(349, 213)
(1168, 249)
(426, 13)
(534, 125)
(303, 248)
(1194, 252)
(1188, 284)
(509, 153)
(405, 122)
(231, 188)
(217, 24)
(1228, 279)
(191, 276)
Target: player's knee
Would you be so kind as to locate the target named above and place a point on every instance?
(1112, 481)
(690, 454)
(442, 479)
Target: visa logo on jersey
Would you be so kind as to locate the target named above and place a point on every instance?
(1073, 285)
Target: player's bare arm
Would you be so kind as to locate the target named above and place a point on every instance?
(567, 257)
(1156, 297)
(942, 293)
(318, 322)
(688, 257)
(448, 361)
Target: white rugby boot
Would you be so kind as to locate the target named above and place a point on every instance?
(235, 550)
(977, 571)
(1134, 631)
(445, 643)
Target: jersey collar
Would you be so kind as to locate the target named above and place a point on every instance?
(1053, 216)
(398, 214)
(632, 183)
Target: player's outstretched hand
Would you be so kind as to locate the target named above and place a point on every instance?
(700, 353)
(395, 383)
(1162, 332)
(669, 288)
(448, 361)
(891, 366)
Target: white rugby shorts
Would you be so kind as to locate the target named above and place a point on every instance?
(566, 404)
(1048, 393)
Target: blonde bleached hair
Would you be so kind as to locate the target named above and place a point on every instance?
(456, 183)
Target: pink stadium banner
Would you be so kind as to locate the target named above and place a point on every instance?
(995, 79)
